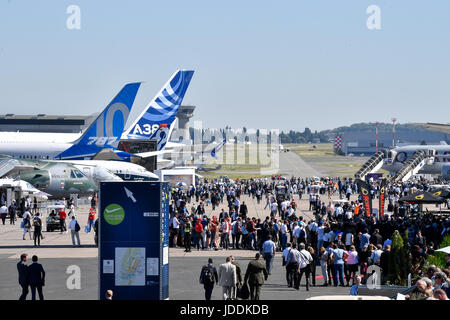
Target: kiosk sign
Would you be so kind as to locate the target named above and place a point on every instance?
(133, 240)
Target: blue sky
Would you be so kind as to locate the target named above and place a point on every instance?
(259, 64)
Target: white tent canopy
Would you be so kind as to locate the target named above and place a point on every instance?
(446, 250)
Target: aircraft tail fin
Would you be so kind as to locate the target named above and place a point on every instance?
(217, 148)
(106, 130)
(155, 122)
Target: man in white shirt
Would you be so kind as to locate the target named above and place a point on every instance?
(74, 233)
(3, 212)
(269, 249)
(349, 238)
(274, 207)
(376, 255)
(175, 229)
(338, 211)
(295, 233)
(304, 264)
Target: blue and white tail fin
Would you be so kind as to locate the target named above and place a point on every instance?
(155, 122)
(106, 130)
(217, 148)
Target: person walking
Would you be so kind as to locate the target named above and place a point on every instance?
(208, 276)
(284, 257)
(238, 276)
(12, 212)
(227, 278)
(3, 212)
(269, 249)
(74, 231)
(37, 278)
(37, 226)
(293, 260)
(255, 275)
(22, 269)
(91, 219)
(26, 223)
(304, 265)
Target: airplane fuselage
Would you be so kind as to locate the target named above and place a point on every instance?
(403, 154)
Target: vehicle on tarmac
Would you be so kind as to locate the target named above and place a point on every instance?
(53, 217)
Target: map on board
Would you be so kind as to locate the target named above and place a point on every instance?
(130, 267)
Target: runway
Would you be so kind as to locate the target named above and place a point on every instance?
(293, 164)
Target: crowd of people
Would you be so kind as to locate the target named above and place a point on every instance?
(32, 220)
(336, 235)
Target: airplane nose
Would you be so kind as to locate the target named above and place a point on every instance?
(40, 179)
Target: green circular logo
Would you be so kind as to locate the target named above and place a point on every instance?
(114, 214)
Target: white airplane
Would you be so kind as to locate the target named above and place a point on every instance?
(104, 135)
(436, 159)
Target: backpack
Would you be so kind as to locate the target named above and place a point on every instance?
(208, 275)
(37, 222)
(77, 227)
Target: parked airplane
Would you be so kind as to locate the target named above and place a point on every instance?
(404, 162)
(438, 157)
(104, 132)
(56, 178)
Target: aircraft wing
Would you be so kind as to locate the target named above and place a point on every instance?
(151, 153)
(11, 166)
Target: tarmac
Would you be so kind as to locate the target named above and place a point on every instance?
(56, 253)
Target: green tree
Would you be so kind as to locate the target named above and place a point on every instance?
(438, 258)
(398, 261)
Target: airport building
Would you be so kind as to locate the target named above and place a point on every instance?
(73, 124)
(364, 142)
(44, 123)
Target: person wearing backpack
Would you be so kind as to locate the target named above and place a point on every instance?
(208, 277)
(26, 223)
(37, 225)
(75, 231)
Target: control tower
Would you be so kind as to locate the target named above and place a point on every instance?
(184, 114)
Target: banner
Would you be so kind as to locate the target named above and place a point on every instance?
(364, 190)
(382, 196)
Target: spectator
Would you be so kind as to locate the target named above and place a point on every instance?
(208, 276)
(440, 294)
(108, 294)
(91, 219)
(254, 277)
(227, 278)
(355, 286)
(269, 249)
(352, 261)
(37, 278)
(62, 220)
(22, 269)
(37, 225)
(304, 264)
(75, 231)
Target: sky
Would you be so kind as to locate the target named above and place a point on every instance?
(259, 64)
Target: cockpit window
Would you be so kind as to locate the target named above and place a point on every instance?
(79, 174)
(72, 174)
